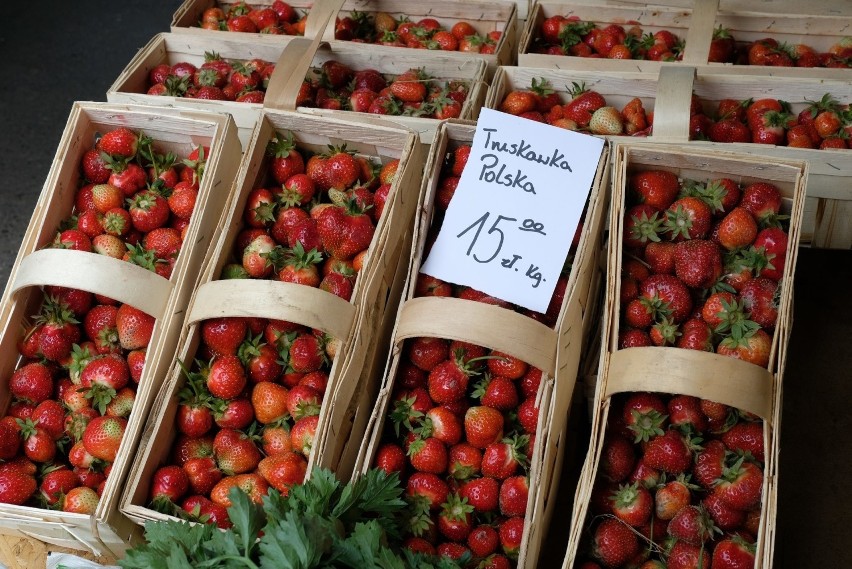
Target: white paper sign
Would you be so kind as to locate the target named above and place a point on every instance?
(514, 213)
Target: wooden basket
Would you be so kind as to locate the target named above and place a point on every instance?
(679, 371)
(132, 85)
(300, 55)
(827, 218)
(107, 530)
(687, 24)
(357, 323)
(485, 16)
(556, 352)
(187, 17)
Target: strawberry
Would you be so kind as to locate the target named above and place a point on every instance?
(511, 534)
(502, 460)
(303, 433)
(733, 553)
(528, 416)
(725, 517)
(657, 188)
(772, 242)
(169, 483)
(455, 519)
(345, 231)
(698, 263)
(642, 225)
(745, 437)
(740, 485)
(235, 413)
(32, 383)
(685, 410)
(254, 485)
(148, 211)
(10, 441)
(224, 336)
(121, 142)
(306, 353)
(482, 493)
(688, 218)
(235, 452)
(685, 555)
(729, 130)
(391, 458)
(644, 415)
(669, 453)
(762, 200)
(483, 540)
(514, 492)
(269, 401)
(759, 301)
(617, 458)
(672, 498)
(465, 461)
(672, 291)
(134, 327)
(693, 525)
(55, 483)
(753, 346)
(202, 473)
(226, 378)
(632, 504)
(440, 422)
(503, 364)
(38, 445)
(614, 543)
(583, 104)
(80, 500)
(483, 426)
(428, 455)
(606, 121)
(430, 486)
(737, 229)
(283, 471)
(103, 436)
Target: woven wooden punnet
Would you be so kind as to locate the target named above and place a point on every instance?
(107, 531)
(302, 55)
(557, 352)
(694, 21)
(133, 83)
(484, 16)
(679, 371)
(357, 323)
(187, 17)
(687, 24)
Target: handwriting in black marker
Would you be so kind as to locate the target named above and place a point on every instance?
(534, 274)
(532, 225)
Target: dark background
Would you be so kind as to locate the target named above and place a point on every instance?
(54, 56)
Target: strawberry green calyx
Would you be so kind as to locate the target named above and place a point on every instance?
(646, 228)
(574, 32)
(667, 331)
(418, 519)
(734, 322)
(80, 357)
(646, 425)
(678, 222)
(281, 145)
(404, 414)
(541, 86)
(456, 508)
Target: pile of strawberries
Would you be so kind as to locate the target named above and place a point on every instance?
(278, 18)
(702, 264)
(427, 33)
(84, 354)
(247, 416)
(572, 36)
(217, 79)
(821, 124)
(312, 221)
(768, 51)
(679, 485)
(462, 426)
(250, 406)
(336, 86)
(586, 111)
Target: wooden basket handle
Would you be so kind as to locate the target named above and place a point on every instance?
(481, 324)
(119, 280)
(700, 33)
(688, 372)
(323, 13)
(671, 108)
(273, 299)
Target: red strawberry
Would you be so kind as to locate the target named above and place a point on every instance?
(227, 378)
(725, 517)
(426, 352)
(746, 437)
(80, 500)
(733, 553)
(688, 218)
(455, 519)
(483, 541)
(693, 525)
(224, 335)
(10, 441)
(583, 103)
(736, 230)
(657, 188)
(428, 455)
(252, 484)
(614, 543)
(672, 498)
(440, 422)
(269, 401)
(483, 426)
(303, 434)
(148, 211)
(482, 493)
(669, 453)
(644, 414)
(672, 291)
(32, 383)
(759, 302)
(511, 534)
(741, 485)
(283, 471)
(502, 460)
(56, 483)
(203, 474)
(660, 257)
(103, 436)
(762, 200)
(170, 483)
(134, 327)
(686, 410)
(773, 243)
(465, 461)
(345, 231)
(514, 492)
(121, 142)
(38, 444)
(235, 452)
(698, 263)
(684, 555)
(429, 486)
(390, 457)
(633, 504)
(617, 458)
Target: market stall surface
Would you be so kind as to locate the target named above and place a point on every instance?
(54, 57)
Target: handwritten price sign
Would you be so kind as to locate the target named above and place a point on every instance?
(515, 210)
